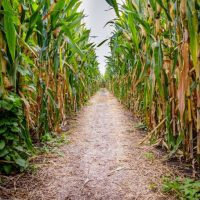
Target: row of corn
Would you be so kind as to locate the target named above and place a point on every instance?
(48, 69)
(154, 69)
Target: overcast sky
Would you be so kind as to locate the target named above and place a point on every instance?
(97, 16)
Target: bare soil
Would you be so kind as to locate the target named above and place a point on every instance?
(103, 161)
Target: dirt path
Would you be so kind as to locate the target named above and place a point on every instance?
(102, 162)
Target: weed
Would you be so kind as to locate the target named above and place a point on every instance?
(184, 189)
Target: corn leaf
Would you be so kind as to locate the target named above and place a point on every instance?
(113, 3)
(9, 27)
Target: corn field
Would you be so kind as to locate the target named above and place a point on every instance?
(48, 69)
(154, 69)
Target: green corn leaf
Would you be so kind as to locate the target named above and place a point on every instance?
(158, 59)
(132, 26)
(56, 11)
(113, 3)
(101, 43)
(160, 2)
(153, 4)
(71, 4)
(33, 20)
(193, 31)
(9, 26)
(140, 20)
(158, 64)
(71, 41)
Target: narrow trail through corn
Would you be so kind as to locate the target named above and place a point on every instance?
(103, 160)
